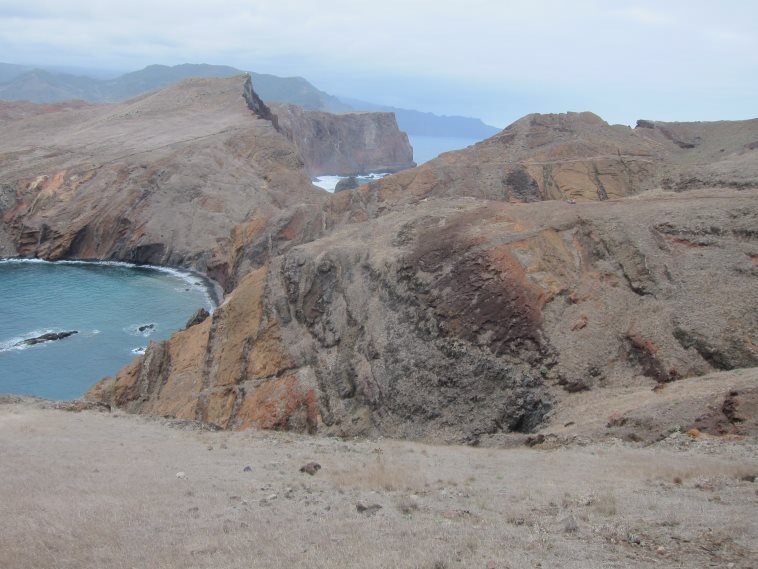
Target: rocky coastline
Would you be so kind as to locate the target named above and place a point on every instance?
(469, 297)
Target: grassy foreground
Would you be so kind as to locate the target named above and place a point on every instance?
(97, 489)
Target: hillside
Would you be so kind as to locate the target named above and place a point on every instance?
(159, 493)
(580, 156)
(456, 318)
(456, 301)
(24, 83)
(163, 178)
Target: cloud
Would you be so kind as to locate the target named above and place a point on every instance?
(579, 51)
(644, 15)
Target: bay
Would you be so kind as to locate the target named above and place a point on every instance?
(105, 303)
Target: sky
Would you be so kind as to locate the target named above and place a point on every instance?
(496, 60)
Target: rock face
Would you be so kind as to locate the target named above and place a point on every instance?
(439, 302)
(161, 179)
(579, 156)
(347, 143)
(457, 318)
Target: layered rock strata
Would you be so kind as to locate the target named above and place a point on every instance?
(437, 302)
(462, 318)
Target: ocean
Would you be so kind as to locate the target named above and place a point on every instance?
(425, 148)
(106, 303)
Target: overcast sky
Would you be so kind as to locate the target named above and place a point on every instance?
(498, 60)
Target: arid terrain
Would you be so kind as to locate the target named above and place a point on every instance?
(99, 489)
(572, 306)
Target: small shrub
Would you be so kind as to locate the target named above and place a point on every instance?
(605, 504)
(407, 505)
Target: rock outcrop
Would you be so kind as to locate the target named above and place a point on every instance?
(347, 143)
(163, 178)
(435, 303)
(346, 184)
(578, 156)
(47, 337)
(459, 318)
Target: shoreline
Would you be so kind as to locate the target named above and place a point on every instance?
(213, 291)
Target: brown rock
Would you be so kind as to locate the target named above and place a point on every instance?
(162, 178)
(368, 510)
(347, 143)
(311, 468)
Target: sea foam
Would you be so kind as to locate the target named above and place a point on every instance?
(329, 183)
(191, 278)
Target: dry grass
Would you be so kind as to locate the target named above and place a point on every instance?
(387, 473)
(88, 490)
(605, 504)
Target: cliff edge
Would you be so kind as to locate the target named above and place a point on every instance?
(163, 178)
(347, 143)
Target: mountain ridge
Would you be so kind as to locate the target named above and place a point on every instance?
(476, 295)
(48, 86)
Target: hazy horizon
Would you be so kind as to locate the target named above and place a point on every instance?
(485, 59)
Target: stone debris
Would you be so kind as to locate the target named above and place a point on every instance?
(311, 468)
(368, 510)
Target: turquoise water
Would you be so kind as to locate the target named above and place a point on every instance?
(105, 303)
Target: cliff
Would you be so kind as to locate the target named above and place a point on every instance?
(458, 318)
(402, 309)
(163, 178)
(454, 301)
(347, 143)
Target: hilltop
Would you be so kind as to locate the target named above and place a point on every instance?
(27, 83)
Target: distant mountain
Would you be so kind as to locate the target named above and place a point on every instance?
(296, 91)
(417, 123)
(9, 71)
(153, 77)
(21, 83)
(39, 86)
(25, 83)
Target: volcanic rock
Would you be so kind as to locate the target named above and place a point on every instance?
(454, 319)
(311, 468)
(435, 303)
(577, 156)
(48, 337)
(368, 510)
(197, 318)
(347, 143)
(349, 183)
(162, 179)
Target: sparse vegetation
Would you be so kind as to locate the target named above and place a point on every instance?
(95, 490)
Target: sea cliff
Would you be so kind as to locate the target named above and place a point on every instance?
(346, 143)
(483, 292)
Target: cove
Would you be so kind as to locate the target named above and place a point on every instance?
(115, 309)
